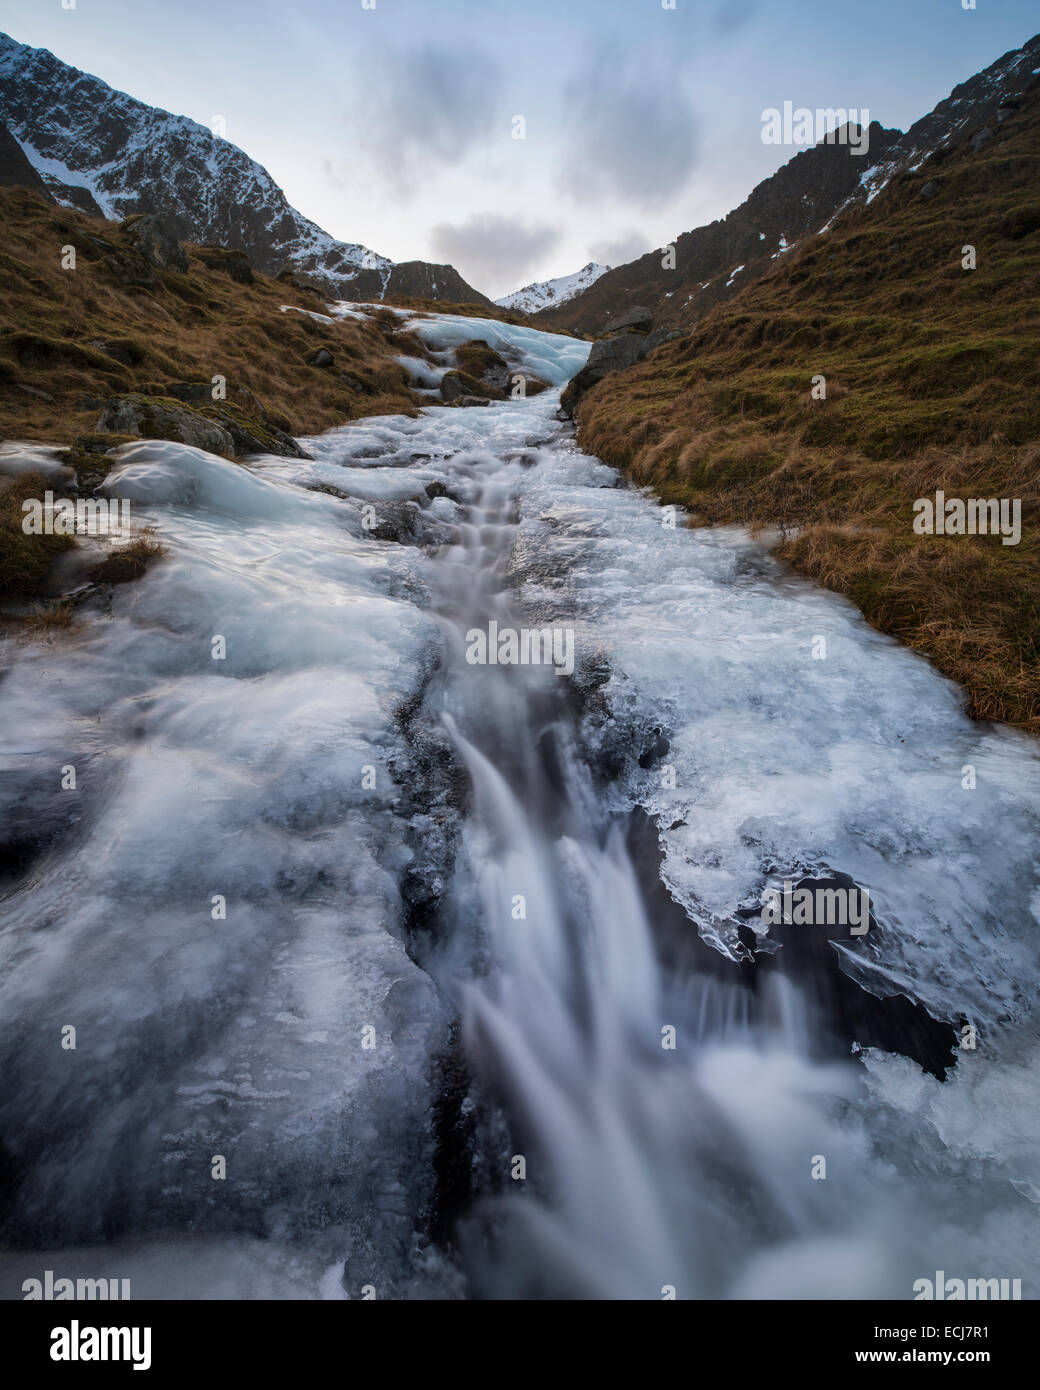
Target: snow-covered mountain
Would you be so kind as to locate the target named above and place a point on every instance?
(544, 294)
(106, 153)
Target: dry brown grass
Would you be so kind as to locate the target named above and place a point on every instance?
(187, 327)
(126, 562)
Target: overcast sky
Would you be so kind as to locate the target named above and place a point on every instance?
(394, 126)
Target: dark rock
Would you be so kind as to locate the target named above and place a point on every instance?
(984, 136)
(930, 189)
(153, 238)
(321, 358)
(132, 272)
(397, 521)
(637, 320)
(608, 355)
(665, 335)
(15, 169)
(436, 489)
(156, 417)
(533, 386)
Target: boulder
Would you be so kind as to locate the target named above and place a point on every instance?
(614, 355)
(152, 238)
(455, 385)
(608, 355)
(636, 320)
(321, 358)
(159, 417)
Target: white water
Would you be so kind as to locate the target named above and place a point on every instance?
(645, 1167)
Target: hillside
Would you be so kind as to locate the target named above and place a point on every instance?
(71, 339)
(933, 383)
(715, 263)
(104, 153)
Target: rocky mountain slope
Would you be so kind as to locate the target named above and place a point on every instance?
(872, 367)
(545, 294)
(107, 154)
(713, 264)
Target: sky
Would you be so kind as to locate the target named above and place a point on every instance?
(394, 123)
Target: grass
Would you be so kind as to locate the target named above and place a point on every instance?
(25, 561)
(71, 339)
(126, 562)
(933, 382)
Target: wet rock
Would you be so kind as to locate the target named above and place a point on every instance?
(396, 521)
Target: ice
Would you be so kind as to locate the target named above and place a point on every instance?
(246, 778)
(242, 778)
(552, 357)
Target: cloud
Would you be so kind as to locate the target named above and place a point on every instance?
(489, 249)
(422, 109)
(627, 246)
(632, 134)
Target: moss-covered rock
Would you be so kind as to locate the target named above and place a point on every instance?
(161, 417)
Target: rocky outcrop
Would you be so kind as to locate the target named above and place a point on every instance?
(15, 169)
(152, 237)
(636, 320)
(459, 387)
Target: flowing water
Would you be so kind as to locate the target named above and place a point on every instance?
(451, 960)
